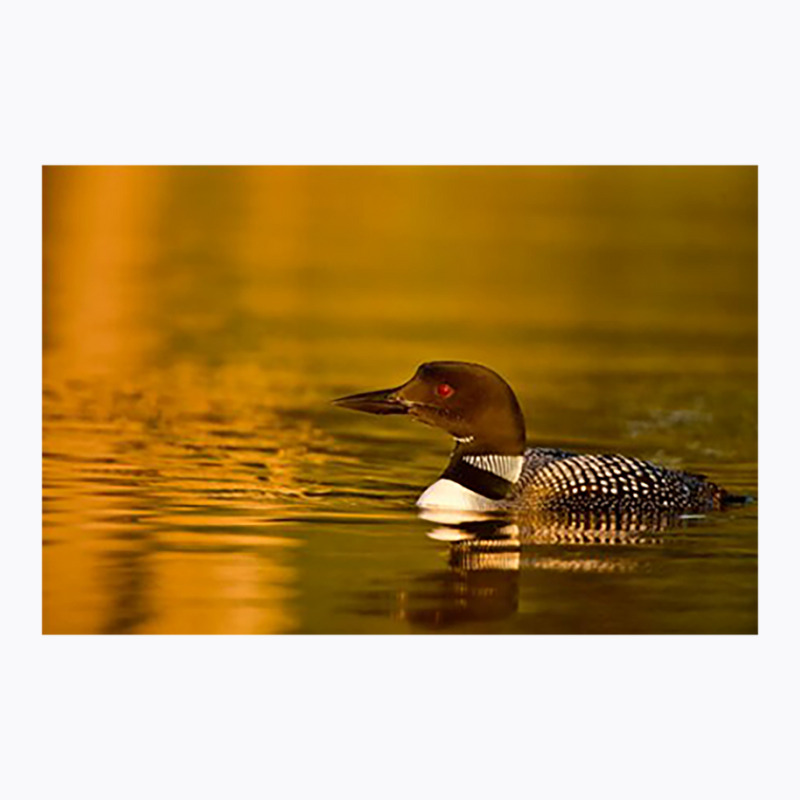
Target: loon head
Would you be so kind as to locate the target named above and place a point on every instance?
(469, 401)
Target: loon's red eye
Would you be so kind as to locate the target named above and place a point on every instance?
(444, 390)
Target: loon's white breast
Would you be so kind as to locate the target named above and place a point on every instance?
(450, 494)
(447, 494)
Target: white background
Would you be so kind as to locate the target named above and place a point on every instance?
(424, 83)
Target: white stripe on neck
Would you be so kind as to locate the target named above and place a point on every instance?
(507, 467)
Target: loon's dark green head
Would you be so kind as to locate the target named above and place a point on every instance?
(471, 402)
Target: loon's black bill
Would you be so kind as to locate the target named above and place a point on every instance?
(380, 402)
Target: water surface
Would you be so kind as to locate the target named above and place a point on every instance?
(198, 321)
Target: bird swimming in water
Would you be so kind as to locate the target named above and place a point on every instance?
(492, 470)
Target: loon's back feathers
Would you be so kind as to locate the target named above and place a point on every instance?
(556, 480)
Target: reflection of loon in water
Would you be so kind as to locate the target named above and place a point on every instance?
(490, 468)
(488, 555)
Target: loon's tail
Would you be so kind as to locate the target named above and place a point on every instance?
(737, 499)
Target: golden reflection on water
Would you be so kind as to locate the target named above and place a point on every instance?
(197, 321)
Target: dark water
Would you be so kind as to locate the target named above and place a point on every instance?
(197, 321)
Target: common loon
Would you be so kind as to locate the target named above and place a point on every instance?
(491, 470)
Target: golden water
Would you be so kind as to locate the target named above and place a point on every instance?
(198, 320)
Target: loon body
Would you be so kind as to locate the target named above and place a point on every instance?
(491, 469)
